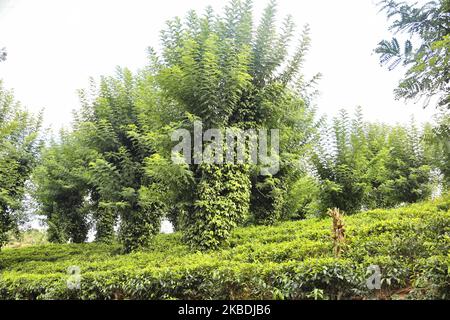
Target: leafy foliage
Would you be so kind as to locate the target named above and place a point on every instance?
(25, 238)
(293, 260)
(3, 54)
(97, 171)
(428, 73)
(439, 144)
(222, 203)
(362, 165)
(62, 187)
(114, 172)
(19, 149)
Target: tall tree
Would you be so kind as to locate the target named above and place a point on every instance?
(62, 188)
(212, 69)
(426, 54)
(228, 76)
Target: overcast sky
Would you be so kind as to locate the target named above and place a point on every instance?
(54, 46)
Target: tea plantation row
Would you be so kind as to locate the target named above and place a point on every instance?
(292, 260)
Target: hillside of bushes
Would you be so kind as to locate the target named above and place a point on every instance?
(291, 260)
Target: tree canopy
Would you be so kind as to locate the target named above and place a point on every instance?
(113, 171)
(19, 152)
(425, 53)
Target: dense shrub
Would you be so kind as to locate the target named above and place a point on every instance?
(293, 260)
(20, 144)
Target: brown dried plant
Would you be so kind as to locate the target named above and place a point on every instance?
(338, 231)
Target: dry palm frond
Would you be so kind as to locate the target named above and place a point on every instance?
(338, 231)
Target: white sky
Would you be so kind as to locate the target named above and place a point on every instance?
(54, 46)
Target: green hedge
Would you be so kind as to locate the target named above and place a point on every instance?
(292, 260)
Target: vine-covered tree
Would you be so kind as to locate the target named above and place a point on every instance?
(114, 169)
